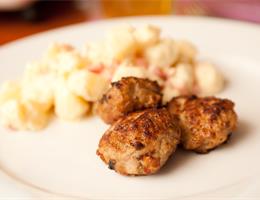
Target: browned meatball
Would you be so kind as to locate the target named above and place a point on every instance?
(139, 143)
(205, 122)
(128, 95)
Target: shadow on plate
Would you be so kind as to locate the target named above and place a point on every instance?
(240, 135)
(181, 157)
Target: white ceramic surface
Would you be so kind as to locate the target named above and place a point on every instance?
(61, 159)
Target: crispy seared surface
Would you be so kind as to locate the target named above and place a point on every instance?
(128, 95)
(139, 143)
(205, 122)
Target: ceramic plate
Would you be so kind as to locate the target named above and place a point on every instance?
(61, 160)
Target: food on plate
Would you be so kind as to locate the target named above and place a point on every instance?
(87, 85)
(209, 80)
(86, 74)
(17, 114)
(68, 105)
(163, 54)
(58, 83)
(128, 95)
(187, 51)
(205, 122)
(143, 52)
(183, 76)
(126, 70)
(9, 90)
(139, 143)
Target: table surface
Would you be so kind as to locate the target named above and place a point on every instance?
(14, 25)
(45, 15)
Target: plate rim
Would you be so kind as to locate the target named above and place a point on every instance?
(131, 18)
(188, 18)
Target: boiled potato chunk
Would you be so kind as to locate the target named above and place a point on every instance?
(129, 70)
(164, 54)
(69, 106)
(147, 36)
(9, 90)
(87, 85)
(209, 79)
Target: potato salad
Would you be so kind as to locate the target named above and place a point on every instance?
(65, 81)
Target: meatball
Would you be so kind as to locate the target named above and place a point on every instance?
(128, 95)
(139, 143)
(205, 122)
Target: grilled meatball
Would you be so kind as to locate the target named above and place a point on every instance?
(139, 143)
(205, 122)
(128, 95)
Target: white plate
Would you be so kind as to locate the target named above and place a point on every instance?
(62, 159)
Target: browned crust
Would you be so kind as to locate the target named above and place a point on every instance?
(143, 139)
(205, 122)
(128, 95)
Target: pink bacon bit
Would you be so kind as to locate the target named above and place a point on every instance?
(108, 71)
(142, 62)
(159, 72)
(67, 47)
(11, 128)
(96, 68)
